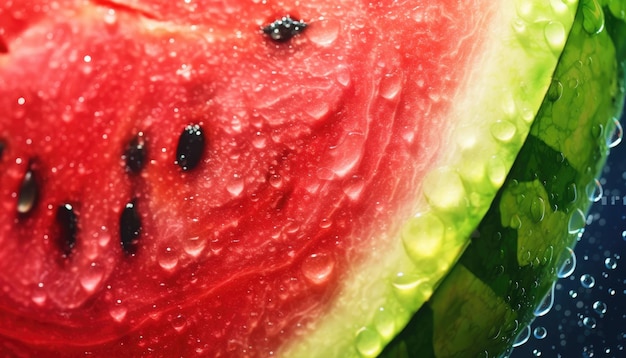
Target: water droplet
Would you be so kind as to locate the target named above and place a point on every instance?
(104, 237)
(353, 187)
(110, 18)
(546, 303)
(324, 173)
(588, 352)
(587, 281)
(444, 190)
(503, 130)
(39, 295)
(259, 141)
(600, 307)
(168, 259)
(597, 130)
(569, 265)
(390, 85)
(555, 91)
(571, 193)
(325, 223)
(540, 332)
(576, 222)
(423, 236)
(519, 26)
(118, 312)
(317, 268)
(593, 16)
(594, 191)
(610, 263)
(516, 222)
(554, 33)
(408, 286)
(92, 277)
(368, 342)
(194, 246)
(325, 32)
(275, 180)
(385, 323)
(522, 337)
(611, 291)
(343, 76)
(178, 322)
(537, 209)
(317, 109)
(496, 170)
(589, 322)
(573, 294)
(617, 134)
(236, 185)
(346, 154)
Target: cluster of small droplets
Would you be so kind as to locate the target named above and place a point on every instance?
(586, 319)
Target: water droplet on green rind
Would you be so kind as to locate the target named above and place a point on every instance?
(556, 91)
(423, 237)
(593, 16)
(368, 343)
(555, 35)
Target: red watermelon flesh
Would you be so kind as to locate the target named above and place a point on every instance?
(312, 148)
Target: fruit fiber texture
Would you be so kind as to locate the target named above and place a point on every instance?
(179, 179)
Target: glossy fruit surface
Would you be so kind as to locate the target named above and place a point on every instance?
(179, 181)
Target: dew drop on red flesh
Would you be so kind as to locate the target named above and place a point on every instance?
(130, 228)
(190, 147)
(135, 154)
(29, 192)
(67, 221)
(284, 29)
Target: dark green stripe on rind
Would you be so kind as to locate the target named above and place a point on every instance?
(512, 261)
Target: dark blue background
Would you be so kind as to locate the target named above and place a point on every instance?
(605, 237)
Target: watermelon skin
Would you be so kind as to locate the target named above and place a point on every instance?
(487, 300)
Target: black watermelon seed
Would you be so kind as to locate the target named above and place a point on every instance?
(29, 192)
(284, 29)
(190, 147)
(135, 154)
(2, 146)
(130, 228)
(68, 228)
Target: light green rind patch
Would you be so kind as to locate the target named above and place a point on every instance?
(493, 111)
(525, 203)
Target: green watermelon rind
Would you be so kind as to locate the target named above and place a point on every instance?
(510, 266)
(498, 103)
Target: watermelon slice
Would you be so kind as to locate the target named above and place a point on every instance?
(259, 178)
